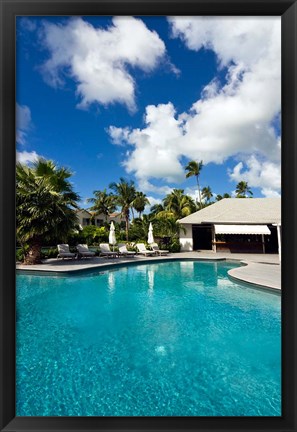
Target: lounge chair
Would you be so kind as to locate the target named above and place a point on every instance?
(83, 251)
(123, 251)
(143, 250)
(155, 248)
(105, 250)
(64, 252)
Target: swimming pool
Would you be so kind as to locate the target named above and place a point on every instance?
(163, 339)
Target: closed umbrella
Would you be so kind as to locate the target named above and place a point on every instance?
(150, 239)
(112, 238)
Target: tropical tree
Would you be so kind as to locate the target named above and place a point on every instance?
(156, 208)
(243, 189)
(194, 169)
(139, 228)
(140, 202)
(45, 206)
(178, 205)
(125, 193)
(207, 194)
(220, 197)
(167, 227)
(104, 203)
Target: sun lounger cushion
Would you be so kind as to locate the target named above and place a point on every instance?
(83, 250)
(64, 251)
(143, 250)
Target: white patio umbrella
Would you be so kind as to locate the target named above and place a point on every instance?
(150, 238)
(112, 238)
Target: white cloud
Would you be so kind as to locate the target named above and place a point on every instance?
(236, 117)
(98, 59)
(154, 201)
(145, 186)
(233, 39)
(270, 193)
(23, 123)
(26, 158)
(156, 147)
(119, 136)
(231, 119)
(23, 126)
(263, 174)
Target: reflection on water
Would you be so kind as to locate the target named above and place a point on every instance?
(151, 277)
(186, 266)
(111, 281)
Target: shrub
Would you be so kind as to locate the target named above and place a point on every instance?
(20, 252)
(50, 252)
(121, 236)
(174, 246)
(19, 255)
(90, 234)
(131, 246)
(136, 232)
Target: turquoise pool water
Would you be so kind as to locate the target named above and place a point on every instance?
(164, 339)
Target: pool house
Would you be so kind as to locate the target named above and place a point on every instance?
(234, 225)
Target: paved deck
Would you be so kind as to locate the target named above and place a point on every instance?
(259, 269)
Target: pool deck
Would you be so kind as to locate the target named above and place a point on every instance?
(259, 269)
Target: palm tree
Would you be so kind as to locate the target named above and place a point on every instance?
(156, 208)
(178, 205)
(194, 169)
(140, 202)
(167, 227)
(140, 226)
(220, 197)
(125, 195)
(45, 203)
(242, 189)
(206, 193)
(104, 203)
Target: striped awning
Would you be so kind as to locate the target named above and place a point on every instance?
(242, 229)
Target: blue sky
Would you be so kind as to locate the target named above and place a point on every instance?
(139, 97)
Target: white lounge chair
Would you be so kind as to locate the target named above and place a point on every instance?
(105, 250)
(64, 252)
(124, 251)
(143, 250)
(83, 251)
(155, 248)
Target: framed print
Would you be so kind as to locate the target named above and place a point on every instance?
(148, 159)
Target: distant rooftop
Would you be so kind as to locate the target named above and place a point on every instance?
(239, 211)
(91, 213)
(114, 214)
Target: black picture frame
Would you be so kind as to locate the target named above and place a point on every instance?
(9, 9)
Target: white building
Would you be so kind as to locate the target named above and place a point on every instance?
(89, 218)
(235, 225)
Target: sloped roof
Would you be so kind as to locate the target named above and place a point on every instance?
(238, 211)
(83, 210)
(114, 214)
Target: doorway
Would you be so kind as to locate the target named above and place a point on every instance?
(202, 237)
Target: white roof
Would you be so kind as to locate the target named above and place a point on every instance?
(238, 211)
(242, 229)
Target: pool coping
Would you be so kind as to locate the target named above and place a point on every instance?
(107, 266)
(249, 273)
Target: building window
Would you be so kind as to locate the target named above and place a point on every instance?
(99, 222)
(86, 221)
